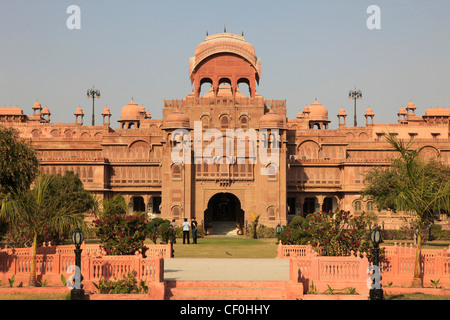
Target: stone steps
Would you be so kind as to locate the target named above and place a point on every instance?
(227, 228)
(225, 290)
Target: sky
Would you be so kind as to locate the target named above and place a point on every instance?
(308, 49)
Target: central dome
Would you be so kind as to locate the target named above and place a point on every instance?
(318, 112)
(131, 111)
(221, 43)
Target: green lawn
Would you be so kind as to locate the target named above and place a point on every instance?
(35, 296)
(226, 247)
(415, 296)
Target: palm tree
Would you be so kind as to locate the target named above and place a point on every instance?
(415, 185)
(30, 207)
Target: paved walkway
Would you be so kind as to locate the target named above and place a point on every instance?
(226, 269)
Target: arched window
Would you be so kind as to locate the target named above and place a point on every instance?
(244, 123)
(176, 171)
(224, 122)
(358, 206)
(369, 206)
(176, 212)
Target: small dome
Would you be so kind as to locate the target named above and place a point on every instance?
(342, 112)
(402, 111)
(411, 105)
(45, 111)
(318, 111)
(177, 120)
(79, 111)
(37, 105)
(130, 112)
(306, 109)
(106, 111)
(271, 120)
(299, 115)
(369, 112)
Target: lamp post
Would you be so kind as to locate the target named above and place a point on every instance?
(77, 292)
(355, 95)
(376, 293)
(92, 93)
(278, 229)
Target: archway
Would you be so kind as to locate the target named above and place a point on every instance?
(138, 204)
(224, 210)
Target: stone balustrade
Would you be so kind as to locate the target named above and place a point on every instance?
(396, 267)
(54, 261)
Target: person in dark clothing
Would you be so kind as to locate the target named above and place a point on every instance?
(194, 230)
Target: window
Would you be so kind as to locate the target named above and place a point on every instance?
(369, 206)
(176, 171)
(244, 123)
(224, 123)
(358, 207)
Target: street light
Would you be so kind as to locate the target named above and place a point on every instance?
(355, 95)
(77, 292)
(92, 93)
(376, 293)
(278, 229)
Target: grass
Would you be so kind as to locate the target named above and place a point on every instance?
(415, 296)
(226, 247)
(35, 296)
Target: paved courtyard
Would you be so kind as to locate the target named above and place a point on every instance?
(226, 269)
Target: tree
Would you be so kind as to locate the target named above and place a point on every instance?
(19, 165)
(31, 207)
(115, 205)
(411, 184)
(69, 189)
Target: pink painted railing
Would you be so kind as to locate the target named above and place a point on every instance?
(285, 251)
(54, 261)
(319, 272)
(396, 267)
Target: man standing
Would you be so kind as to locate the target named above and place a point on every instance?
(194, 230)
(186, 226)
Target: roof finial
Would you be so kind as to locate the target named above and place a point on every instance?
(206, 32)
(225, 29)
(242, 33)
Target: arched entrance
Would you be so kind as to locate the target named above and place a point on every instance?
(224, 209)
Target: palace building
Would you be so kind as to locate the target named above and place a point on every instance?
(318, 168)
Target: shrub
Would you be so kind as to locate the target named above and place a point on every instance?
(121, 235)
(295, 232)
(338, 234)
(127, 285)
(293, 235)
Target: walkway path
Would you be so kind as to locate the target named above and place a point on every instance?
(226, 269)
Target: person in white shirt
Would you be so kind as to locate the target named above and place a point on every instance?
(186, 226)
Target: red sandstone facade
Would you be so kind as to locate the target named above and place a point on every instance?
(319, 168)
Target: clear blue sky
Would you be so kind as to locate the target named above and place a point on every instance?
(308, 49)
